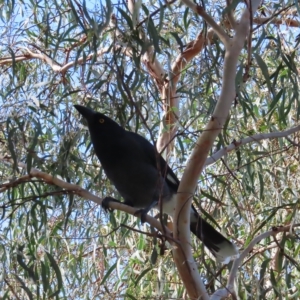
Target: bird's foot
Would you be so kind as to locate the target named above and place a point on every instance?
(105, 203)
(143, 213)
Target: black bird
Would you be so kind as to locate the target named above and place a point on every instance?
(143, 177)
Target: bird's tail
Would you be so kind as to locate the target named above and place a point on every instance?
(220, 246)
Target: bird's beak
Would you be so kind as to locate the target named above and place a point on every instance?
(87, 113)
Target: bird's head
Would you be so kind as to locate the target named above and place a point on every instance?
(99, 124)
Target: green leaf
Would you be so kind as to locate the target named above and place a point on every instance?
(274, 282)
(263, 270)
(178, 40)
(131, 296)
(11, 147)
(261, 185)
(154, 256)
(264, 222)
(126, 17)
(106, 276)
(20, 260)
(274, 102)
(24, 287)
(142, 275)
(45, 276)
(231, 7)
(56, 269)
(161, 16)
(186, 20)
(261, 63)
(141, 243)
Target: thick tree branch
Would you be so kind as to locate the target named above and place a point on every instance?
(182, 254)
(49, 179)
(54, 65)
(214, 25)
(230, 15)
(169, 95)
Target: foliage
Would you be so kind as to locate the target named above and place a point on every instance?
(55, 244)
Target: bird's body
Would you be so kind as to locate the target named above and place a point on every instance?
(131, 169)
(142, 176)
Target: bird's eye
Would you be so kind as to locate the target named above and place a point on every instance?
(101, 121)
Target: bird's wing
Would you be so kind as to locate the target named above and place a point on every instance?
(156, 160)
(220, 246)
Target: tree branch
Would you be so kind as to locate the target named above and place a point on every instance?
(49, 179)
(254, 138)
(214, 25)
(229, 290)
(169, 95)
(182, 254)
